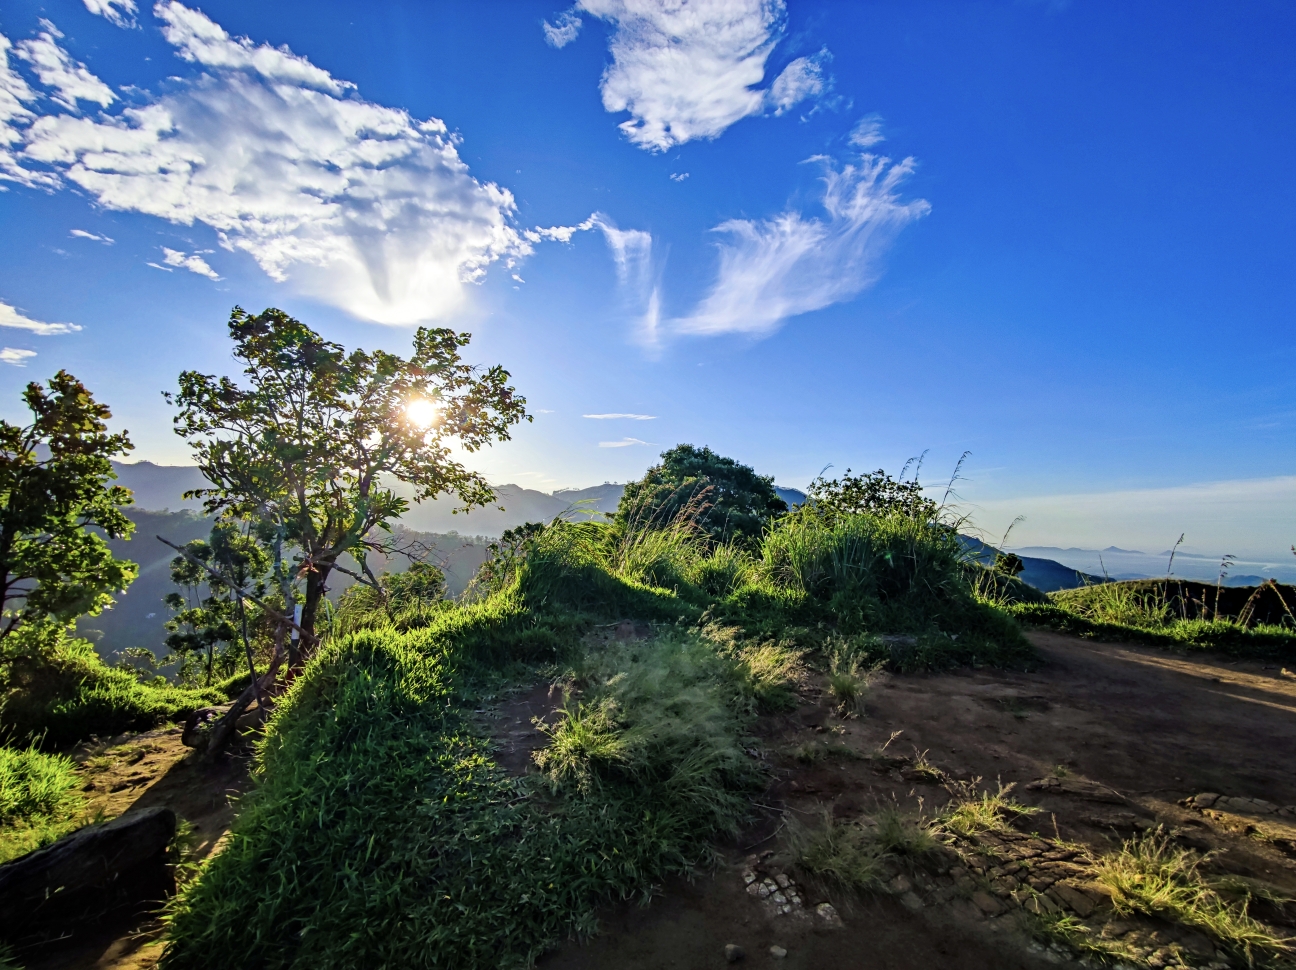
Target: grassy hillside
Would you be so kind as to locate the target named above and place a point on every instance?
(385, 832)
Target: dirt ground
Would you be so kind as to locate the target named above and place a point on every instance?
(1106, 739)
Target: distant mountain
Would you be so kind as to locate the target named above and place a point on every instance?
(160, 487)
(1046, 575)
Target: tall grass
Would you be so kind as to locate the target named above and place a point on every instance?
(38, 800)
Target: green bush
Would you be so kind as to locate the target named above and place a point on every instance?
(64, 694)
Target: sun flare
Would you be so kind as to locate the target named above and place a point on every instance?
(421, 412)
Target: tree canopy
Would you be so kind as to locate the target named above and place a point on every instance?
(55, 488)
(726, 499)
(309, 443)
(873, 493)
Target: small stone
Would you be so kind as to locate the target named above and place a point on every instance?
(733, 952)
(782, 880)
(754, 889)
(749, 877)
(1072, 898)
(779, 898)
(911, 901)
(763, 890)
(901, 884)
(828, 913)
(777, 952)
(986, 903)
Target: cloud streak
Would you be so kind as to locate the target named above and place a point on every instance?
(618, 416)
(345, 201)
(777, 268)
(83, 234)
(18, 358)
(109, 10)
(623, 443)
(16, 319)
(194, 263)
(685, 71)
(71, 80)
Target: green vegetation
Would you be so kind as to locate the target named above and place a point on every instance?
(1149, 874)
(384, 831)
(38, 801)
(1239, 621)
(972, 810)
(730, 500)
(59, 692)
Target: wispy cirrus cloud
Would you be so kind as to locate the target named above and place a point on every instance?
(623, 443)
(119, 12)
(346, 201)
(620, 416)
(773, 269)
(11, 316)
(689, 70)
(84, 234)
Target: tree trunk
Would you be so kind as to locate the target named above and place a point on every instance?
(316, 588)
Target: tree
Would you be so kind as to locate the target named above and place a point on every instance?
(307, 446)
(872, 493)
(728, 500)
(203, 623)
(55, 476)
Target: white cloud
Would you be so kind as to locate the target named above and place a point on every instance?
(867, 132)
(623, 443)
(83, 234)
(778, 268)
(56, 69)
(564, 29)
(349, 202)
(688, 69)
(12, 317)
(15, 95)
(679, 176)
(18, 358)
(802, 78)
(612, 417)
(125, 17)
(193, 263)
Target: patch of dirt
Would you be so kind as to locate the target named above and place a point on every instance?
(1106, 740)
(136, 772)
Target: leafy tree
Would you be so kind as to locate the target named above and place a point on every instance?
(202, 624)
(307, 445)
(726, 499)
(874, 493)
(55, 476)
(1008, 563)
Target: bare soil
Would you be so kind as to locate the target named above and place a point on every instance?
(1106, 739)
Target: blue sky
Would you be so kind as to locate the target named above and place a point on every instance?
(1059, 235)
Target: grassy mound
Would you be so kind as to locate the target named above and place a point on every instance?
(384, 834)
(38, 800)
(65, 694)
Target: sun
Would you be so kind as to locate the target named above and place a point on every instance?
(421, 412)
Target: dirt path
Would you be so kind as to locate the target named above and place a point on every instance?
(1106, 739)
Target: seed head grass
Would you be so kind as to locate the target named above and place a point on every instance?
(972, 810)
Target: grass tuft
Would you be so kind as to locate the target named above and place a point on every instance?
(972, 810)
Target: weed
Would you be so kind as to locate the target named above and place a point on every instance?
(585, 737)
(924, 769)
(898, 834)
(1151, 875)
(972, 810)
(840, 854)
(813, 752)
(768, 673)
(848, 683)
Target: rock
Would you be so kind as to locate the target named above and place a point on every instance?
(733, 952)
(777, 952)
(989, 905)
(1205, 800)
(911, 901)
(901, 884)
(828, 913)
(782, 880)
(91, 870)
(1071, 897)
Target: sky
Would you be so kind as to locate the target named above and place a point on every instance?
(1060, 236)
